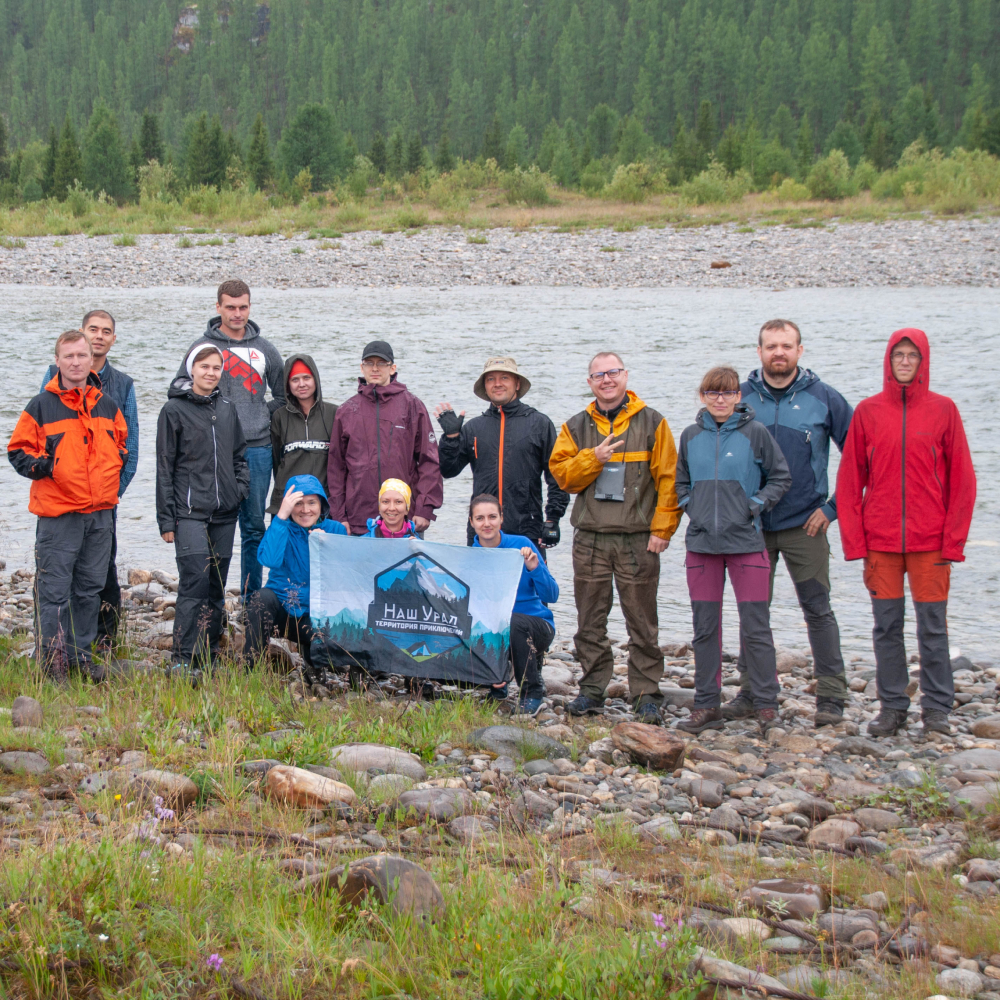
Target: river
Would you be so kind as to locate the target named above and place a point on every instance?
(668, 337)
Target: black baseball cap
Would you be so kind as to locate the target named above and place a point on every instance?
(378, 349)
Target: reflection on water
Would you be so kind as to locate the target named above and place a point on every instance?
(668, 338)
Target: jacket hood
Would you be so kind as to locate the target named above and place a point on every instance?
(803, 380)
(311, 485)
(921, 383)
(292, 403)
(55, 383)
(214, 332)
(394, 386)
(633, 404)
(743, 414)
(183, 387)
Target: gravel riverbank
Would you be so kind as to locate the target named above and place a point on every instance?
(902, 253)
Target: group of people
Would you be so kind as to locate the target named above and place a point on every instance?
(750, 473)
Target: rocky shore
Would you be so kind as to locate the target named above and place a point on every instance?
(900, 253)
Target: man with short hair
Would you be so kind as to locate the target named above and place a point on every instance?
(251, 366)
(70, 441)
(906, 490)
(100, 328)
(508, 447)
(382, 432)
(803, 414)
(618, 457)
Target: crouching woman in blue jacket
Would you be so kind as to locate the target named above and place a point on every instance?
(282, 607)
(532, 627)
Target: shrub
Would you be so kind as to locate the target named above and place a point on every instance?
(632, 182)
(410, 218)
(203, 200)
(865, 175)
(927, 178)
(830, 178)
(715, 187)
(79, 201)
(593, 177)
(791, 190)
(361, 177)
(126, 240)
(529, 187)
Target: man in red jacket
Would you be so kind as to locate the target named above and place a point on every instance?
(905, 494)
(382, 432)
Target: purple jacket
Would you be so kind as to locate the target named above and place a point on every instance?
(383, 432)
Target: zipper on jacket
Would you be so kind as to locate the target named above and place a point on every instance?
(378, 439)
(936, 476)
(903, 480)
(500, 460)
(718, 441)
(215, 455)
(189, 498)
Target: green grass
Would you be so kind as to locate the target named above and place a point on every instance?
(297, 250)
(126, 240)
(9, 244)
(215, 241)
(183, 243)
(478, 238)
(611, 249)
(377, 242)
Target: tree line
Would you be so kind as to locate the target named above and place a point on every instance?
(238, 91)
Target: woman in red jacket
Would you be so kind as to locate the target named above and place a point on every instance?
(905, 494)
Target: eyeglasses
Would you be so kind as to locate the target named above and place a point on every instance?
(610, 373)
(376, 365)
(726, 394)
(907, 356)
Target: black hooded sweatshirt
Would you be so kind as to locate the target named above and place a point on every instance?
(300, 444)
(201, 471)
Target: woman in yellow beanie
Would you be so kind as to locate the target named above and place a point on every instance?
(393, 505)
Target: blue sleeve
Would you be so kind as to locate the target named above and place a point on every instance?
(47, 377)
(543, 581)
(839, 417)
(331, 527)
(130, 411)
(271, 552)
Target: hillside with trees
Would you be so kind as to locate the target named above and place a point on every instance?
(236, 92)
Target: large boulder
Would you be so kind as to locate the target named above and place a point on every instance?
(26, 712)
(405, 886)
(978, 798)
(296, 786)
(652, 746)
(518, 743)
(781, 897)
(362, 756)
(959, 982)
(439, 804)
(23, 762)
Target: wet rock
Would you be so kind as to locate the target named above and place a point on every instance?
(652, 746)
(979, 758)
(988, 728)
(959, 982)
(405, 886)
(471, 829)
(982, 870)
(298, 787)
(177, 790)
(362, 756)
(26, 711)
(438, 804)
(659, 830)
(877, 819)
(861, 746)
(23, 762)
(708, 793)
(833, 832)
(800, 900)
(843, 926)
(517, 743)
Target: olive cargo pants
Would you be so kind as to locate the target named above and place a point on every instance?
(601, 562)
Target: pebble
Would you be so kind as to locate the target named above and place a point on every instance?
(26, 711)
(898, 252)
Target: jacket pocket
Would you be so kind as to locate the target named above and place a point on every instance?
(52, 442)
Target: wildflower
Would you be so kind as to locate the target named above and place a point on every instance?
(663, 942)
(118, 798)
(658, 922)
(102, 937)
(214, 962)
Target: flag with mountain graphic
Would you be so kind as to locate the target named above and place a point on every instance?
(410, 607)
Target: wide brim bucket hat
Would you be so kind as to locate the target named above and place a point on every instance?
(501, 365)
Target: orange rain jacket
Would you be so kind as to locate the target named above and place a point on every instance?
(71, 443)
(651, 463)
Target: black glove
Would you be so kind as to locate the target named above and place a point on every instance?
(451, 422)
(550, 534)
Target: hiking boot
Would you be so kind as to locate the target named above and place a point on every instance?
(888, 723)
(97, 672)
(741, 707)
(582, 705)
(767, 719)
(497, 693)
(529, 707)
(701, 719)
(936, 722)
(649, 714)
(829, 712)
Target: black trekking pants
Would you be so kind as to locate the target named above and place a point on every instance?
(265, 617)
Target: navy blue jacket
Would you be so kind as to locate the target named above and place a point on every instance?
(727, 475)
(805, 419)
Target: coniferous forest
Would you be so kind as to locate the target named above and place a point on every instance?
(242, 92)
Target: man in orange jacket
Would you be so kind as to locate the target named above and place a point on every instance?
(618, 457)
(70, 442)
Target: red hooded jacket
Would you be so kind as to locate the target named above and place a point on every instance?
(906, 481)
(383, 432)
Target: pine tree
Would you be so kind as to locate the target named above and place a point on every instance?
(259, 163)
(414, 154)
(730, 152)
(218, 155)
(150, 142)
(313, 141)
(4, 154)
(704, 130)
(49, 164)
(69, 166)
(805, 147)
(396, 155)
(105, 164)
(443, 158)
(493, 147)
(198, 157)
(377, 154)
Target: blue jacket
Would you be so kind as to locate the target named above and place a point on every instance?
(803, 421)
(726, 477)
(537, 588)
(375, 522)
(284, 549)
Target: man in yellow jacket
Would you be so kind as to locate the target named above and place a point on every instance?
(618, 458)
